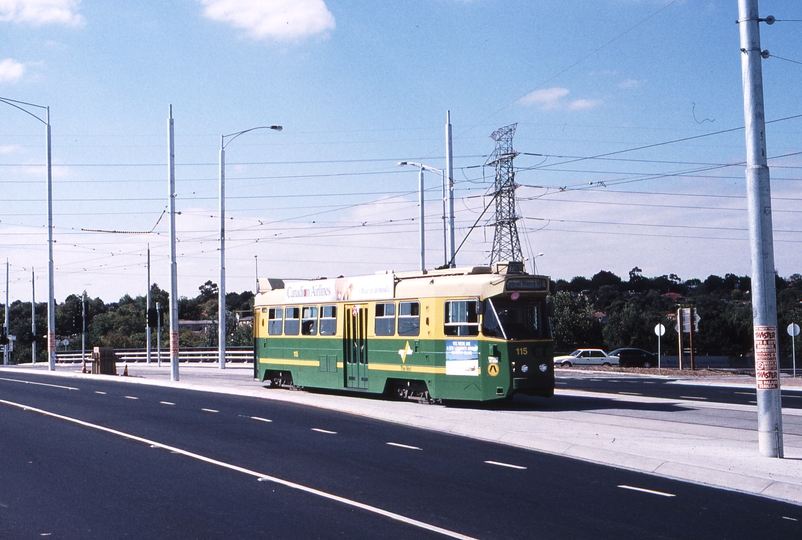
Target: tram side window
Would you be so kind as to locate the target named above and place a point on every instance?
(274, 320)
(461, 318)
(292, 321)
(309, 321)
(328, 320)
(409, 319)
(385, 319)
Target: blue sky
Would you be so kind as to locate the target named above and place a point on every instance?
(628, 111)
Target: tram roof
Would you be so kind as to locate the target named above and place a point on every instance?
(477, 281)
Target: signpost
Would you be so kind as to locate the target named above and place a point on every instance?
(793, 331)
(659, 330)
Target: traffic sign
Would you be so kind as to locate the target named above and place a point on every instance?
(793, 329)
(659, 330)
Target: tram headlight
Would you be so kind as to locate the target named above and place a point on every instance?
(524, 368)
(543, 368)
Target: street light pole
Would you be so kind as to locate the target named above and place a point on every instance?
(221, 287)
(423, 167)
(51, 304)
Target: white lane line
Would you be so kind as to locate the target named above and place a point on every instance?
(260, 419)
(131, 397)
(99, 392)
(508, 465)
(790, 396)
(39, 383)
(326, 431)
(650, 491)
(399, 445)
(745, 393)
(166, 403)
(631, 393)
(694, 397)
(261, 477)
(790, 518)
(210, 410)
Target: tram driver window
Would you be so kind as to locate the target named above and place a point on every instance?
(409, 319)
(385, 319)
(292, 322)
(274, 320)
(309, 321)
(461, 318)
(328, 320)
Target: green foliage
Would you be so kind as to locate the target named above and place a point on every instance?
(574, 324)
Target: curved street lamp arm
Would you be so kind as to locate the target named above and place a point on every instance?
(14, 102)
(238, 133)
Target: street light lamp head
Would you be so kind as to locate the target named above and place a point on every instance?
(402, 163)
(277, 128)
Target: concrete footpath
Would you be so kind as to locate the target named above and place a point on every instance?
(708, 443)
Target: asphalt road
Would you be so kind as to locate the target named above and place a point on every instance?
(668, 388)
(102, 459)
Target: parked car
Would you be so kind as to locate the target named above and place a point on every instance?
(629, 357)
(586, 357)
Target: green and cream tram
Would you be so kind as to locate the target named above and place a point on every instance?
(454, 334)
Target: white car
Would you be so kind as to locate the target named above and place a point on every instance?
(586, 357)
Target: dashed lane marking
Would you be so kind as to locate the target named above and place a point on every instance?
(399, 445)
(166, 403)
(631, 393)
(326, 431)
(260, 419)
(131, 397)
(210, 410)
(508, 465)
(649, 491)
(698, 398)
(261, 477)
(99, 392)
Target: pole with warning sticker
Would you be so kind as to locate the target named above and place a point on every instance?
(761, 242)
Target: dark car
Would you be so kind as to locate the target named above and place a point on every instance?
(628, 357)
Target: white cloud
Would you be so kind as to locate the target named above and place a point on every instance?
(282, 20)
(630, 83)
(548, 98)
(584, 104)
(552, 98)
(39, 12)
(11, 70)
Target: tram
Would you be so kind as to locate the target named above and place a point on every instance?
(476, 334)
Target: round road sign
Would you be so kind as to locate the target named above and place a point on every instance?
(793, 329)
(659, 330)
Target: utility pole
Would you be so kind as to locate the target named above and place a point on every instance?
(758, 192)
(147, 315)
(33, 317)
(506, 244)
(452, 247)
(173, 263)
(83, 327)
(6, 346)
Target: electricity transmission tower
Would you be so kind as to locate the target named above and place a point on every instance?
(506, 245)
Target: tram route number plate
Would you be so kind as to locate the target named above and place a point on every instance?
(767, 374)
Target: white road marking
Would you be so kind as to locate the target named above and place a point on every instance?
(39, 383)
(631, 393)
(261, 477)
(650, 491)
(210, 410)
(260, 419)
(790, 396)
(131, 397)
(408, 447)
(790, 518)
(99, 392)
(167, 403)
(324, 431)
(508, 465)
(745, 393)
(694, 397)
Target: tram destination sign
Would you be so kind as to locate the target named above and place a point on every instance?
(524, 284)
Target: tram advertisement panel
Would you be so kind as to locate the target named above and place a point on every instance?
(462, 357)
(378, 287)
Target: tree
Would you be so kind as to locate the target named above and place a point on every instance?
(574, 324)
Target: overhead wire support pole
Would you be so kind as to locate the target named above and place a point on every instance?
(173, 263)
(221, 287)
(758, 191)
(449, 173)
(51, 303)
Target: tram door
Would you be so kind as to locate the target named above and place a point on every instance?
(356, 346)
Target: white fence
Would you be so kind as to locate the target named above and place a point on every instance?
(140, 355)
